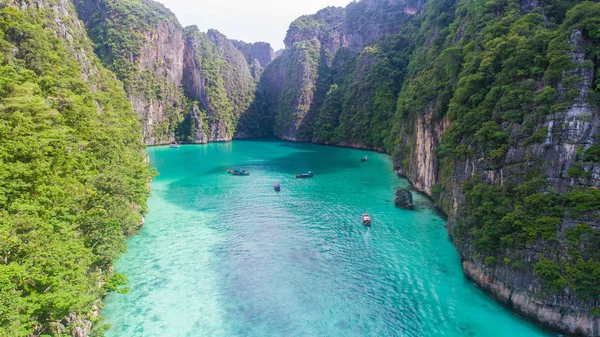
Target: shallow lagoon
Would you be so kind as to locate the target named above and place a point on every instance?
(224, 255)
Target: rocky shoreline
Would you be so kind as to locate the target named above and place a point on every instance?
(552, 318)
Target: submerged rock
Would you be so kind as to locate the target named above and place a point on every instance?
(404, 199)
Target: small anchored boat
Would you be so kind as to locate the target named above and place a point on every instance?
(174, 145)
(364, 159)
(366, 219)
(304, 175)
(277, 187)
(238, 172)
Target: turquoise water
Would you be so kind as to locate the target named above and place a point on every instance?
(223, 255)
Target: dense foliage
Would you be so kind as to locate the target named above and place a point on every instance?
(369, 91)
(73, 178)
(497, 84)
(123, 32)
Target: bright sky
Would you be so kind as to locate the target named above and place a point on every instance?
(247, 20)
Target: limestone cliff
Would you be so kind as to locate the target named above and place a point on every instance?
(544, 154)
(322, 49)
(258, 55)
(235, 73)
(144, 44)
(217, 75)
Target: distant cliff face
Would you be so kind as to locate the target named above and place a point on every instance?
(258, 55)
(144, 44)
(323, 48)
(217, 75)
(236, 74)
(356, 26)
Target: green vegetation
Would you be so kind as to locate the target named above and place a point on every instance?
(224, 106)
(144, 44)
(496, 73)
(500, 220)
(285, 86)
(370, 93)
(121, 30)
(73, 181)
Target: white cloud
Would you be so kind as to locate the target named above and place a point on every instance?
(247, 20)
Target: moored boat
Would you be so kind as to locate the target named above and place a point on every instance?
(304, 175)
(174, 145)
(238, 172)
(364, 159)
(277, 187)
(366, 219)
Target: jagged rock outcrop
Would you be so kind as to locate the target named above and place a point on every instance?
(548, 314)
(404, 199)
(79, 327)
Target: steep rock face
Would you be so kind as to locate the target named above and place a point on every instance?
(522, 301)
(549, 154)
(235, 73)
(326, 26)
(160, 59)
(423, 166)
(258, 55)
(321, 50)
(216, 74)
(369, 20)
(191, 89)
(143, 43)
(68, 28)
(286, 85)
(566, 132)
(575, 127)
